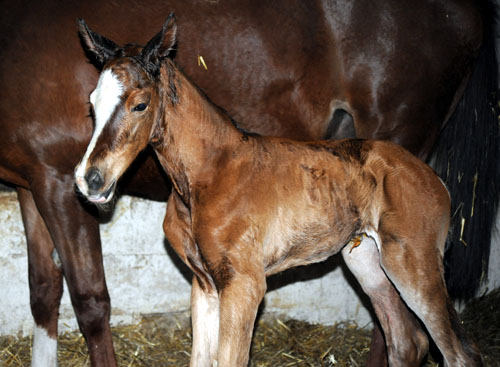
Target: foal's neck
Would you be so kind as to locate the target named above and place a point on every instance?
(194, 132)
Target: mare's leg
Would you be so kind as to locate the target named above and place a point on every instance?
(377, 355)
(406, 343)
(419, 279)
(45, 281)
(240, 297)
(205, 321)
(75, 234)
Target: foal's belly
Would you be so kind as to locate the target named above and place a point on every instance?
(290, 243)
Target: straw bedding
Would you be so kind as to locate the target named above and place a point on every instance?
(277, 342)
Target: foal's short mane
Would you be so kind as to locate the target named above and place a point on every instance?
(171, 68)
(171, 82)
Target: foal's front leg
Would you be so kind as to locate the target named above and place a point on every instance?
(239, 302)
(228, 286)
(205, 321)
(204, 297)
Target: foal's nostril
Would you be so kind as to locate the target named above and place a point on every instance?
(94, 179)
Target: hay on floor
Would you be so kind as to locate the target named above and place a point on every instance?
(277, 342)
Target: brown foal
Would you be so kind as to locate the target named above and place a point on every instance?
(244, 207)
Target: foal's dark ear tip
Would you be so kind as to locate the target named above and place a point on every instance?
(171, 21)
(82, 25)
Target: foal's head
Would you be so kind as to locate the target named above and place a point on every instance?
(126, 106)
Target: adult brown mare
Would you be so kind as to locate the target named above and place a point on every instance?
(245, 207)
(304, 70)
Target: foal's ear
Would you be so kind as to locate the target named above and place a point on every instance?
(160, 45)
(101, 48)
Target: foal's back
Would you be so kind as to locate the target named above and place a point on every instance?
(305, 201)
(375, 175)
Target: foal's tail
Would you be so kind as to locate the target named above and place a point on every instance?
(468, 159)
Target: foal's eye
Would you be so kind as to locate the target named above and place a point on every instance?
(139, 107)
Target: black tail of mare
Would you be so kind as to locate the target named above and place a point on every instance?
(472, 135)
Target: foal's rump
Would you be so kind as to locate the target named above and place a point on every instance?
(399, 178)
(400, 199)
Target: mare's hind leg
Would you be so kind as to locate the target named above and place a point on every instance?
(377, 355)
(45, 281)
(415, 268)
(406, 343)
(75, 234)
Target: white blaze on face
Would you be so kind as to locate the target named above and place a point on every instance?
(104, 98)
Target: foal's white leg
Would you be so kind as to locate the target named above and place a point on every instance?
(44, 353)
(406, 342)
(205, 320)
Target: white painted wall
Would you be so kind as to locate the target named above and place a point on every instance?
(143, 279)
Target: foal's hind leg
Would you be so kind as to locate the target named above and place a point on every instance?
(415, 268)
(45, 281)
(406, 343)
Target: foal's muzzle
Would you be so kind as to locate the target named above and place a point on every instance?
(94, 179)
(92, 186)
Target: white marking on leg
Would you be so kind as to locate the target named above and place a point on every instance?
(205, 319)
(44, 352)
(105, 98)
